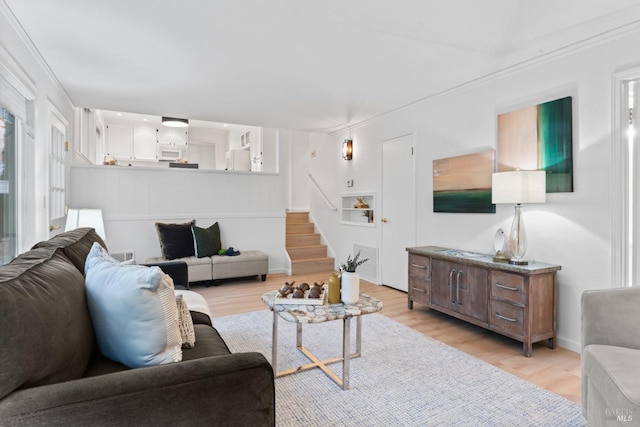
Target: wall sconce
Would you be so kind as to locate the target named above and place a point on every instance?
(77, 218)
(347, 149)
(518, 187)
(174, 122)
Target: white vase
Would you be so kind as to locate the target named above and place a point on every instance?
(350, 292)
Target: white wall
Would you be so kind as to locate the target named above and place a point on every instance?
(19, 59)
(236, 132)
(571, 229)
(270, 150)
(208, 147)
(300, 155)
(248, 206)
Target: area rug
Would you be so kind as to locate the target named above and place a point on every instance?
(403, 378)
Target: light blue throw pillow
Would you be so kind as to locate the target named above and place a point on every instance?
(133, 310)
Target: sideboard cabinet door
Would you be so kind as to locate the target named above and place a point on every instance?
(460, 288)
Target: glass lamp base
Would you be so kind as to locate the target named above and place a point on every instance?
(517, 239)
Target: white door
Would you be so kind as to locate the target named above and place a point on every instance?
(398, 209)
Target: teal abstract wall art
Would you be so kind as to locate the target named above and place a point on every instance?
(539, 138)
(462, 184)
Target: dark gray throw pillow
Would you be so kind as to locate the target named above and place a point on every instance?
(176, 240)
(206, 240)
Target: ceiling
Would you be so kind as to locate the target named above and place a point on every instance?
(296, 64)
(137, 119)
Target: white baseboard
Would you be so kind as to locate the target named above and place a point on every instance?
(569, 345)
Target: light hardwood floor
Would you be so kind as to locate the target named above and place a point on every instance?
(556, 370)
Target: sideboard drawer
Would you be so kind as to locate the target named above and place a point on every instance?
(419, 266)
(507, 286)
(507, 318)
(419, 289)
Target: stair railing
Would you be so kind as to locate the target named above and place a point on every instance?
(324, 196)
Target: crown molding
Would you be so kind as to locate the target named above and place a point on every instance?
(15, 75)
(32, 49)
(554, 49)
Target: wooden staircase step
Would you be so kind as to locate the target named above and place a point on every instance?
(295, 240)
(312, 265)
(297, 217)
(304, 252)
(301, 228)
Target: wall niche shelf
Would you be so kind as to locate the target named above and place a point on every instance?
(352, 213)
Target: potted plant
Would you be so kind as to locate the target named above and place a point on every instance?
(350, 281)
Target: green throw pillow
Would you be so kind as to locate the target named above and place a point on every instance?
(206, 240)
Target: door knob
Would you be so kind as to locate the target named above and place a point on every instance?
(384, 220)
(54, 227)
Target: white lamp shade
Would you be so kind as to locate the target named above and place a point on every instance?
(519, 187)
(78, 218)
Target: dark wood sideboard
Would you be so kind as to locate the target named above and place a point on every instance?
(518, 301)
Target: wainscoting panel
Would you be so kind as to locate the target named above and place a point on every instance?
(248, 206)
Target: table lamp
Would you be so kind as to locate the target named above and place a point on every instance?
(77, 218)
(518, 187)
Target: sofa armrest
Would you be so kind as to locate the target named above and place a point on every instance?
(234, 389)
(610, 317)
(177, 270)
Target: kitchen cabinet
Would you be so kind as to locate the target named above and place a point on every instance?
(126, 142)
(257, 140)
(172, 136)
(518, 301)
(120, 141)
(144, 143)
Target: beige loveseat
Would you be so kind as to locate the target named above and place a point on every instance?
(611, 357)
(212, 268)
(199, 248)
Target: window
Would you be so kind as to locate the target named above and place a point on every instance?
(8, 143)
(17, 150)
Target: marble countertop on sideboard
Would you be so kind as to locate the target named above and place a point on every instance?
(481, 260)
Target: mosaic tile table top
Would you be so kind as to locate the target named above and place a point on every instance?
(301, 313)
